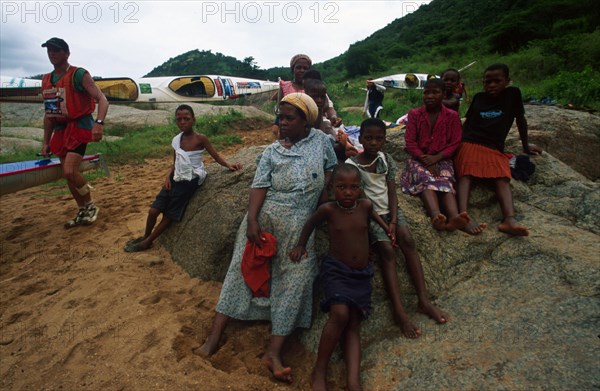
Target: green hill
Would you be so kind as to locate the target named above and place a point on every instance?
(197, 62)
(551, 46)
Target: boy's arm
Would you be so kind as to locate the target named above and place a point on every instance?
(300, 249)
(528, 148)
(167, 184)
(215, 155)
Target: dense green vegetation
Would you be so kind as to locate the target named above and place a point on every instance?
(197, 62)
(551, 46)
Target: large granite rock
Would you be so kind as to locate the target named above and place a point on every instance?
(524, 310)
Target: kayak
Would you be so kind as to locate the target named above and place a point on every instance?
(23, 175)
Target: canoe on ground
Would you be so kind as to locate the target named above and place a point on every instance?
(23, 175)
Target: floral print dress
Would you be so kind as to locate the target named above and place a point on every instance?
(294, 179)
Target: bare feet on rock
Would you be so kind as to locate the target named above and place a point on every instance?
(510, 226)
(409, 329)
(474, 228)
(459, 221)
(279, 372)
(433, 312)
(439, 222)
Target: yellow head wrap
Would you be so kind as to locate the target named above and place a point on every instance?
(297, 57)
(304, 103)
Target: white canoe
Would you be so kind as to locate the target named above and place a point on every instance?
(23, 175)
(406, 81)
(194, 88)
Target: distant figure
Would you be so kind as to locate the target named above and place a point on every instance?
(345, 274)
(69, 96)
(329, 113)
(374, 100)
(317, 90)
(481, 154)
(461, 90)
(451, 79)
(378, 172)
(432, 136)
(183, 179)
(299, 64)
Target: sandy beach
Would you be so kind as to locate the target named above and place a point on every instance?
(77, 312)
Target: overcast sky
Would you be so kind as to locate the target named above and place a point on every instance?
(130, 38)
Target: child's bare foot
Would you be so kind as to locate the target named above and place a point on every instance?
(409, 329)
(318, 382)
(474, 228)
(510, 226)
(433, 312)
(439, 222)
(459, 221)
(279, 372)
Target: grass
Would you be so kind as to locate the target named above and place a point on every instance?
(152, 142)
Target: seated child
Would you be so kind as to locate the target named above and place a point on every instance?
(316, 89)
(451, 78)
(185, 176)
(378, 172)
(345, 274)
(329, 112)
(481, 154)
(432, 136)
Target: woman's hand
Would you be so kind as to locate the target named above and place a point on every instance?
(254, 233)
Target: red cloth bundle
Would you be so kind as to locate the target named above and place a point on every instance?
(255, 265)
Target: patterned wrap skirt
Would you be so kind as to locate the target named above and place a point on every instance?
(416, 177)
(481, 162)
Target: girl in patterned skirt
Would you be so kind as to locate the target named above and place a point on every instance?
(432, 136)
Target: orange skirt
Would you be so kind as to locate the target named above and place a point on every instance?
(481, 162)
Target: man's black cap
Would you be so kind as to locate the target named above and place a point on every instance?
(57, 43)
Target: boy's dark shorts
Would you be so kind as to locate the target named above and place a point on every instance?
(172, 203)
(377, 234)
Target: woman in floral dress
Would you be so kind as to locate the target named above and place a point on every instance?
(289, 181)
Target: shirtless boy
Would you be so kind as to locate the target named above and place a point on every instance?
(345, 274)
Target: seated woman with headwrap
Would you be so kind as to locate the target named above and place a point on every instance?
(288, 184)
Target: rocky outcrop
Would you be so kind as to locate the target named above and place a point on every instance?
(524, 310)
